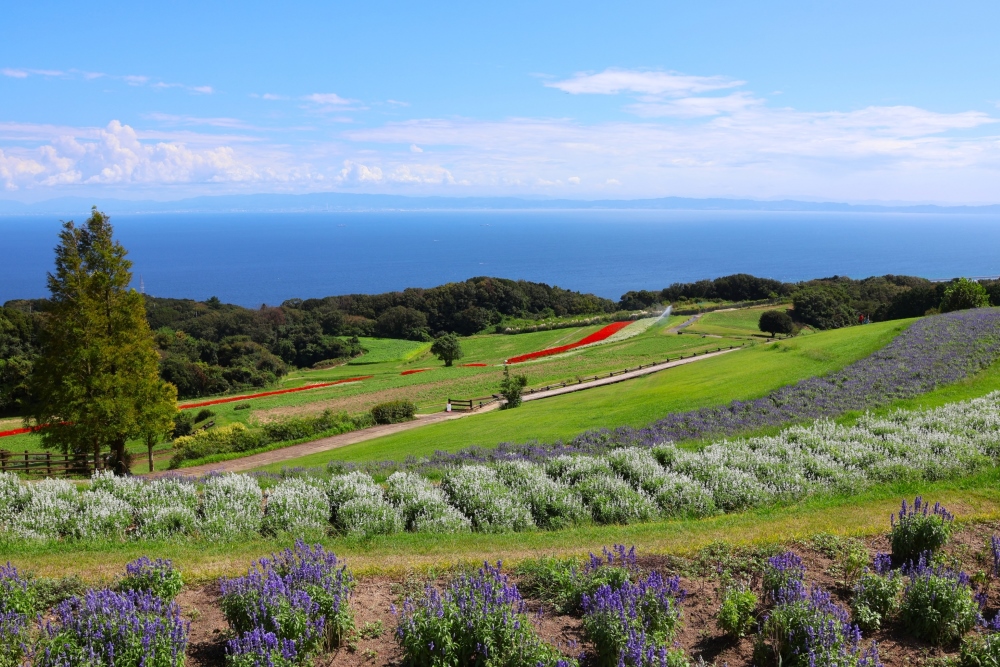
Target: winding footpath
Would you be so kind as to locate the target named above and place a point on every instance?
(337, 441)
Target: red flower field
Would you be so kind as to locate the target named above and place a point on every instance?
(596, 337)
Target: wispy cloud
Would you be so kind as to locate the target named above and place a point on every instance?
(329, 99)
(174, 119)
(613, 81)
(135, 80)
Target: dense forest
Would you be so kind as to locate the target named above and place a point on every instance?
(209, 347)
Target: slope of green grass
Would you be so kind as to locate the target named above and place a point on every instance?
(381, 350)
(741, 322)
(744, 374)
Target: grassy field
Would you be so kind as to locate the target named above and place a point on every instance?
(974, 498)
(741, 322)
(432, 388)
(382, 350)
(745, 374)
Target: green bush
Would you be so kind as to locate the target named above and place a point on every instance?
(938, 604)
(203, 414)
(245, 405)
(235, 438)
(919, 529)
(561, 583)
(980, 651)
(158, 577)
(392, 412)
(737, 613)
(876, 598)
(479, 620)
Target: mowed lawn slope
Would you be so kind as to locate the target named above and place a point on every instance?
(744, 374)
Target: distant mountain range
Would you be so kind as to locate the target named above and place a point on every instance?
(335, 201)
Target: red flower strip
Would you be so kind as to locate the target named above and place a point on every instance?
(230, 399)
(415, 370)
(596, 337)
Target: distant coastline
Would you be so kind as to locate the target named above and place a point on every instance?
(331, 202)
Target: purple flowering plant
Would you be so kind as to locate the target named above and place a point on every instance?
(810, 630)
(782, 572)
(635, 623)
(158, 577)
(301, 596)
(113, 629)
(939, 604)
(260, 648)
(562, 582)
(479, 620)
(876, 595)
(17, 604)
(917, 529)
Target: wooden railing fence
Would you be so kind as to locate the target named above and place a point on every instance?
(44, 464)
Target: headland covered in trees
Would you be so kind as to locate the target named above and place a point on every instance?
(209, 347)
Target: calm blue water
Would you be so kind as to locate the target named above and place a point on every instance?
(251, 259)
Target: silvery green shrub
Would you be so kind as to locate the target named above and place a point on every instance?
(232, 507)
(359, 507)
(490, 505)
(553, 505)
(423, 505)
(298, 506)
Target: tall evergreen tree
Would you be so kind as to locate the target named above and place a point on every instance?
(95, 384)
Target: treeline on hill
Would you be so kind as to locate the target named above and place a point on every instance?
(209, 347)
(824, 303)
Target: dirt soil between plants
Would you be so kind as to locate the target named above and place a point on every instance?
(374, 597)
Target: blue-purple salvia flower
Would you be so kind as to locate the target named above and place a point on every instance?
(116, 629)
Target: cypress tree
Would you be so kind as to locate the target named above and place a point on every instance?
(95, 384)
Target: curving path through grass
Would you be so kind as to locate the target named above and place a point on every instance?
(277, 456)
(718, 380)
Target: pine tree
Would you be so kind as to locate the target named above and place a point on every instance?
(96, 382)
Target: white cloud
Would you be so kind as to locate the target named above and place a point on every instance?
(204, 90)
(694, 107)
(328, 99)
(117, 155)
(613, 81)
(416, 149)
(14, 73)
(575, 180)
(136, 80)
(173, 119)
(272, 97)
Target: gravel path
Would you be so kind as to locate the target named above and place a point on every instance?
(337, 441)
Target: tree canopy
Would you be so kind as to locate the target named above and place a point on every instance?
(447, 348)
(95, 383)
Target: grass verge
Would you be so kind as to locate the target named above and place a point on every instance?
(745, 375)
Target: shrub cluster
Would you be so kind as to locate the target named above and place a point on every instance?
(634, 624)
(236, 437)
(478, 620)
(392, 412)
(938, 604)
(919, 530)
(136, 625)
(288, 607)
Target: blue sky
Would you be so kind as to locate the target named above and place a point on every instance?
(846, 101)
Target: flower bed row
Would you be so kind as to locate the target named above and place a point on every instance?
(277, 392)
(932, 352)
(135, 623)
(598, 336)
(413, 371)
(547, 489)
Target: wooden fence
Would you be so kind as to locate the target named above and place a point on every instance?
(44, 464)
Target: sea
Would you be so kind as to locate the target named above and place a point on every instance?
(265, 258)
